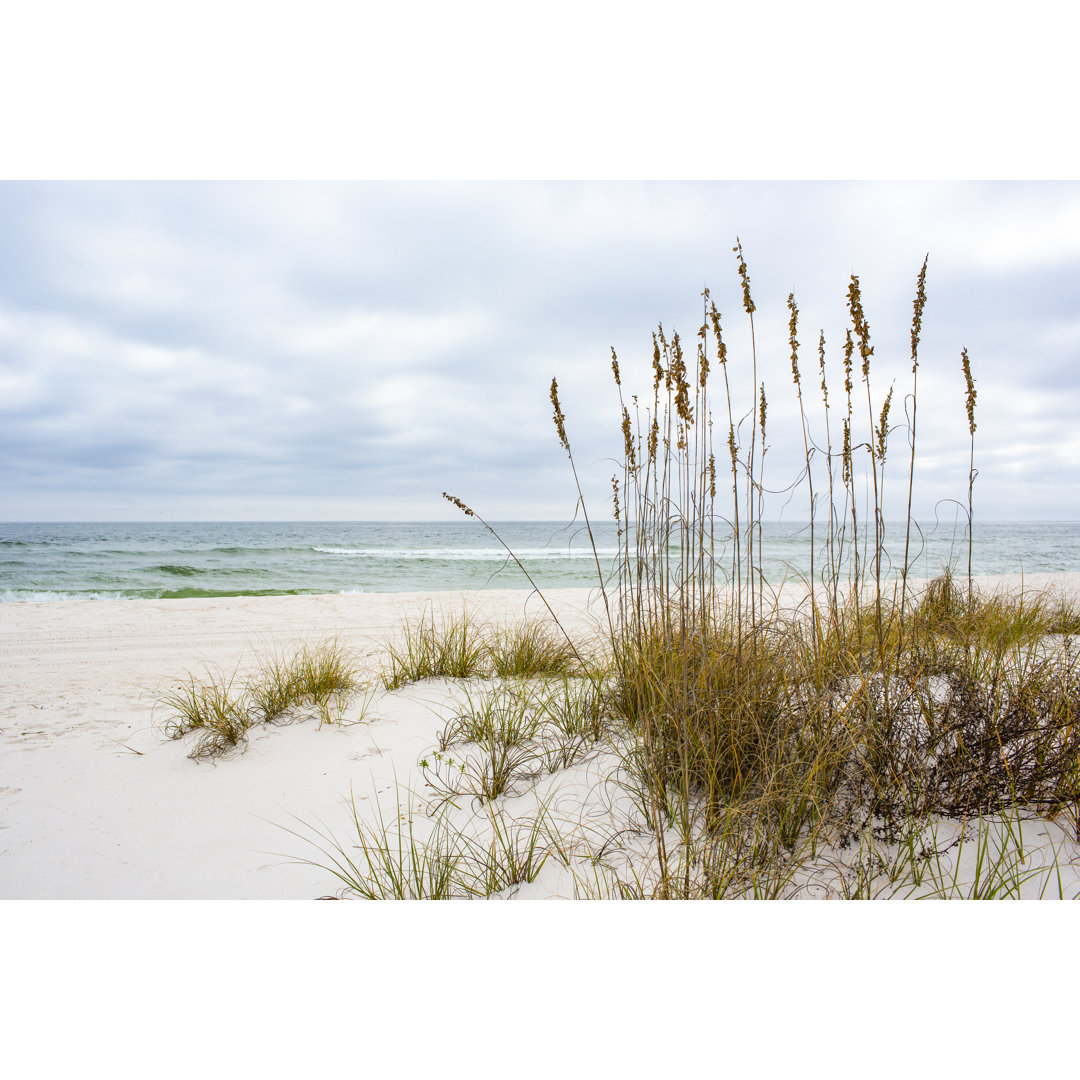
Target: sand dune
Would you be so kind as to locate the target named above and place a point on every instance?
(96, 802)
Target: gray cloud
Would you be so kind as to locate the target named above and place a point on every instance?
(350, 350)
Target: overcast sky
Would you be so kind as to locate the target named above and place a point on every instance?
(231, 349)
(350, 350)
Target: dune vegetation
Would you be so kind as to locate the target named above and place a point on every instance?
(220, 709)
(856, 730)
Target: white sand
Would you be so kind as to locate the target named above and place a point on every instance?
(96, 803)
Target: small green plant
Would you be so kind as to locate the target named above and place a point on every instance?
(484, 773)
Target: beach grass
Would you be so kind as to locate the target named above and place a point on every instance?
(221, 709)
(452, 648)
(857, 734)
(210, 707)
(762, 733)
(529, 649)
(456, 647)
(395, 857)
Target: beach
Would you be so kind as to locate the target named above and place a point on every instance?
(96, 801)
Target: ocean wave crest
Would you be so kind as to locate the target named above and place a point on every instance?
(463, 554)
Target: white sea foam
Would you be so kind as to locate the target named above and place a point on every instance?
(466, 554)
(45, 596)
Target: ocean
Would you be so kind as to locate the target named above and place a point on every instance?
(40, 561)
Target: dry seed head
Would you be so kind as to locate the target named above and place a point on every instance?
(847, 450)
(703, 366)
(682, 387)
(628, 440)
(721, 348)
(916, 322)
(792, 327)
(821, 364)
(615, 498)
(731, 445)
(712, 476)
(748, 303)
(658, 371)
(761, 412)
(459, 504)
(883, 427)
(971, 395)
(862, 327)
(560, 420)
(849, 348)
(615, 366)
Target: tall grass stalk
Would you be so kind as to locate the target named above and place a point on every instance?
(970, 407)
(916, 333)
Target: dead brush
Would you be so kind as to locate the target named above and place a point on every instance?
(1009, 739)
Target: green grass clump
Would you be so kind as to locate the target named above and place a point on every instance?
(504, 716)
(531, 649)
(452, 649)
(457, 648)
(322, 677)
(512, 734)
(572, 707)
(398, 860)
(210, 707)
(996, 621)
